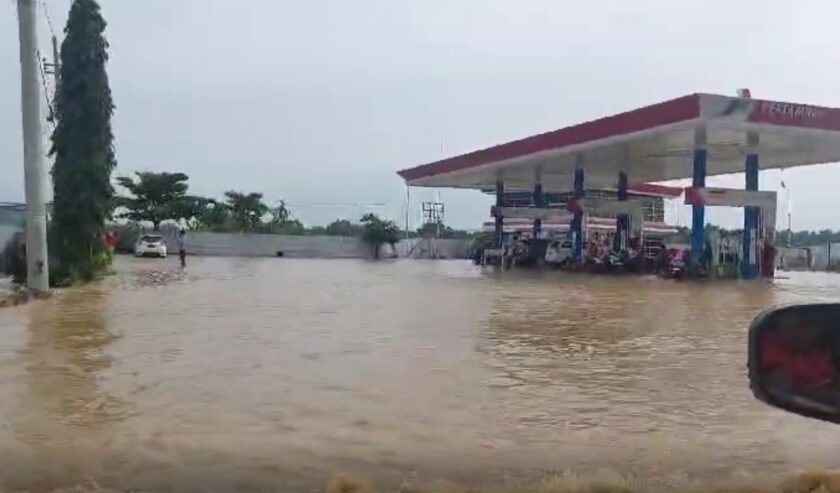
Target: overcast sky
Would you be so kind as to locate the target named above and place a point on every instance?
(320, 102)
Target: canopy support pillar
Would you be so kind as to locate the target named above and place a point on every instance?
(749, 261)
(698, 211)
(577, 219)
(622, 222)
(538, 201)
(500, 222)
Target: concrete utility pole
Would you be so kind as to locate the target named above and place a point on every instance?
(35, 177)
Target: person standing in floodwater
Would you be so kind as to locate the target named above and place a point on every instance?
(182, 248)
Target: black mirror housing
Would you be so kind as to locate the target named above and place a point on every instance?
(794, 359)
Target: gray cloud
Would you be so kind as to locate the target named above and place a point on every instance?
(321, 102)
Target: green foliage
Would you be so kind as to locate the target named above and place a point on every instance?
(290, 227)
(13, 261)
(246, 210)
(808, 238)
(157, 197)
(280, 214)
(378, 231)
(343, 227)
(482, 240)
(797, 238)
(440, 230)
(280, 221)
(14, 258)
(82, 144)
(192, 208)
(243, 212)
(213, 216)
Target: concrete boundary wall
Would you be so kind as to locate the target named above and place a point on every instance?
(265, 245)
(268, 245)
(791, 258)
(825, 257)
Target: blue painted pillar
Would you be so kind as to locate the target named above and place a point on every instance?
(500, 222)
(577, 218)
(539, 202)
(698, 212)
(749, 259)
(622, 223)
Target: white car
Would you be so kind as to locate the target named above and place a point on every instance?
(150, 246)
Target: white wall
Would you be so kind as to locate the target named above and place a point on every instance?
(819, 256)
(260, 245)
(429, 248)
(266, 245)
(793, 258)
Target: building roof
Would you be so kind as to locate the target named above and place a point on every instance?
(653, 143)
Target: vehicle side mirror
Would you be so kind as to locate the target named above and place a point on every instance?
(794, 359)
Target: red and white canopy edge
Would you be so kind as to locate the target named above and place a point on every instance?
(654, 143)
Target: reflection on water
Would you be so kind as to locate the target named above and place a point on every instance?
(64, 355)
(268, 373)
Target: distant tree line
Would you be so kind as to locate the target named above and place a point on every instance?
(808, 238)
(803, 238)
(152, 198)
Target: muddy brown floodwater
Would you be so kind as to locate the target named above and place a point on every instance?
(278, 373)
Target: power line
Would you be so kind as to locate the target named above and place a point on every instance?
(40, 60)
(47, 16)
(337, 204)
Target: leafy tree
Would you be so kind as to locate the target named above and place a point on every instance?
(192, 208)
(343, 227)
(440, 230)
(214, 216)
(247, 210)
(807, 238)
(481, 241)
(280, 221)
(82, 145)
(279, 218)
(157, 197)
(377, 231)
(290, 227)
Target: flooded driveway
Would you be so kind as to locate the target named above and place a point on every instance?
(278, 373)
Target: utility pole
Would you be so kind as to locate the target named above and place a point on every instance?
(35, 177)
(407, 207)
(790, 231)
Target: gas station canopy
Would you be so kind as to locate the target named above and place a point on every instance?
(654, 143)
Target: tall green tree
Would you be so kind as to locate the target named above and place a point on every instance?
(377, 231)
(83, 147)
(246, 209)
(279, 215)
(157, 197)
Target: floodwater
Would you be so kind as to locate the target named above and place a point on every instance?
(248, 374)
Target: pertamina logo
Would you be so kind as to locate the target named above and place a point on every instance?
(788, 110)
(737, 107)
